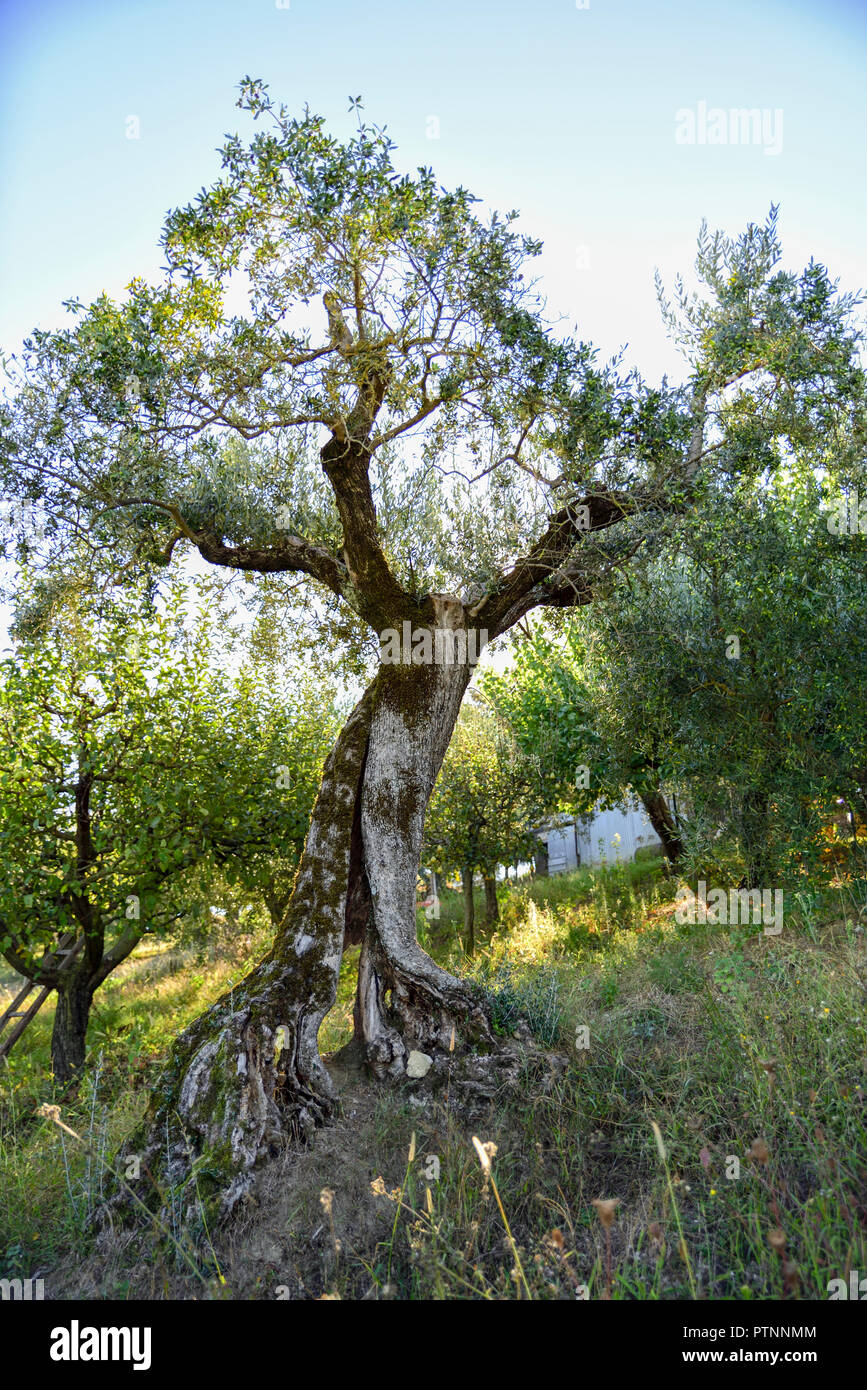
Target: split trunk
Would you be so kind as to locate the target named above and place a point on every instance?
(247, 1074)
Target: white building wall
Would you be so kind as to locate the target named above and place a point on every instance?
(613, 835)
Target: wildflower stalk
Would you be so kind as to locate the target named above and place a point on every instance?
(485, 1156)
(684, 1249)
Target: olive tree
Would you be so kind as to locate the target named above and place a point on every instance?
(389, 417)
(734, 662)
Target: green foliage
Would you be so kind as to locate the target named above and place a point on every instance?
(728, 668)
(486, 801)
(188, 424)
(544, 702)
(136, 765)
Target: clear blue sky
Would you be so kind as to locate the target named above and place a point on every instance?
(565, 113)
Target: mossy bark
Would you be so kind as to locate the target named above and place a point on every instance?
(247, 1075)
(406, 1002)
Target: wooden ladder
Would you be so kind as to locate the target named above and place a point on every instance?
(66, 951)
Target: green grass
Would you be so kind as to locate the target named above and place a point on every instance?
(49, 1185)
(748, 1052)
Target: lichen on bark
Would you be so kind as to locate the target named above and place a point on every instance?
(247, 1076)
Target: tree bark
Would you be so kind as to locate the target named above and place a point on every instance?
(75, 985)
(469, 910)
(663, 823)
(492, 907)
(69, 1033)
(405, 1001)
(247, 1075)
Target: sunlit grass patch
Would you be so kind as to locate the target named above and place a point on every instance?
(748, 1052)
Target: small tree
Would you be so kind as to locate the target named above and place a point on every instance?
(126, 759)
(485, 803)
(594, 732)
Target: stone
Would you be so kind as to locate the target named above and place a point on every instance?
(418, 1064)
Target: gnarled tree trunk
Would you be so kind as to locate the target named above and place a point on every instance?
(406, 1003)
(247, 1075)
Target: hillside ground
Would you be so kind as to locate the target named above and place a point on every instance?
(701, 1133)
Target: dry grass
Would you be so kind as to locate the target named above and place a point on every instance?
(747, 1053)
